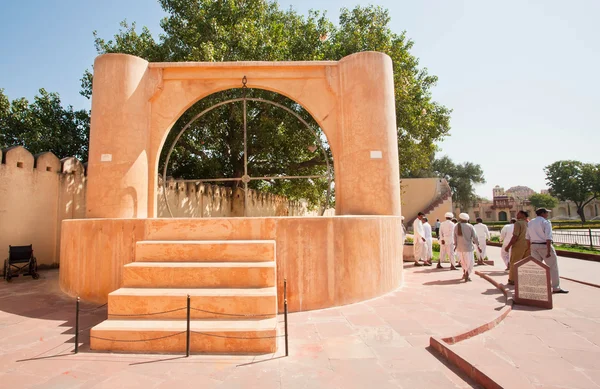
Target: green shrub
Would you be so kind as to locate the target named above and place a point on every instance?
(436, 247)
(408, 240)
(495, 239)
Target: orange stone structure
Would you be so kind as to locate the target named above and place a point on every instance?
(235, 266)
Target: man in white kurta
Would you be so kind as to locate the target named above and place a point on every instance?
(428, 240)
(505, 236)
(464, 238)
(419, 239)
(447, 241)
(483, 234)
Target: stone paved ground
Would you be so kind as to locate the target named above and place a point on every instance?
(381, 343)
(537, 348)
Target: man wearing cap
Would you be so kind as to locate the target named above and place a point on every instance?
(446, 238)
(419, 241)
(505, 235)
(539, 239)
(518, 246)
(464, 238)
(483, 234)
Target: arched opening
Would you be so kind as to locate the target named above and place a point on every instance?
(502, 216)
(245, 152)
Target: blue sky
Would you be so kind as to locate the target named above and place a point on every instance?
(522, 76)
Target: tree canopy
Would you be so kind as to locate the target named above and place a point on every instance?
(541, 200)
(575, 181)
(44, 125)
(462, 179)
(206, 30)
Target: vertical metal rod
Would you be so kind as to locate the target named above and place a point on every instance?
(285, 315)
(77, 326)
(187, 335)
(245, 103)
(591, 242)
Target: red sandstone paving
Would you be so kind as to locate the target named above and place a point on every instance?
(558, 348)
(380, 343)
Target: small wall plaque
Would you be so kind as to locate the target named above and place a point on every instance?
(106, 158)
(532, 284)
(376, 154)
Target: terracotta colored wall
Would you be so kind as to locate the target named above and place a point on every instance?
(328, 261)
(417, 194)
(36, 194)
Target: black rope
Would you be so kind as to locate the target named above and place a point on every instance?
(140, 340)
(233, 314)
(147, 314)
(92, 309)
(236, 337)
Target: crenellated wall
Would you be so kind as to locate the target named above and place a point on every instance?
(38, 192)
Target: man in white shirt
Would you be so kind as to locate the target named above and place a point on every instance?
(419, 240)
(403, 230)
(505, 236)
(539, 239)
(428, 240)
(437, 228)
(483, 234)
(446, 239)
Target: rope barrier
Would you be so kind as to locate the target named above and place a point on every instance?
(138, 340)
(92, 309)
(233, 314)
(147, 314)
(237, 337)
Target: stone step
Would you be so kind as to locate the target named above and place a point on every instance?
(208, 250)
(199, 275)
(232, 304)
(168, 336)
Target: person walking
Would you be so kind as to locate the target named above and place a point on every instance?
(455, 222)
(483, 234)
(465, 240)
(539, 239)
(419, 240)
(428, 240)
(505, 236)
(447, 241)
(437, 228)
(518, 246)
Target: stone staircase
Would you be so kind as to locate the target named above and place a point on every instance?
(235, 279)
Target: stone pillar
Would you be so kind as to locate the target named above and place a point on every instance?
(367, 171)
(117, 183)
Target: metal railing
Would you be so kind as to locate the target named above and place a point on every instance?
(188, 330)
(582, 238)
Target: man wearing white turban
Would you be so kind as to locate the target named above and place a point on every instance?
(464, 238)
(447, 241)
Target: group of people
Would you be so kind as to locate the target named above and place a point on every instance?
(464, 243)
(523, 238)
(458, 240)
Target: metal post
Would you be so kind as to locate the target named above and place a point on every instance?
(187, 340)
(285, 315)
(591, 242)
(77, 326)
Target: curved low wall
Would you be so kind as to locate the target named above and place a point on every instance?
(328, 261)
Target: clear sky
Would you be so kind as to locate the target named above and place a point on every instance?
(523, 77)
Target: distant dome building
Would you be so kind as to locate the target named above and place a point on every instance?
(520, 192)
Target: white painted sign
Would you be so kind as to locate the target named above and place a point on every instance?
(105, 157)
(376, 154)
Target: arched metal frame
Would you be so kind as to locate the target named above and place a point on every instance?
(246, 178)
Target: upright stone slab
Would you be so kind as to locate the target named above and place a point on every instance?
(532, 284)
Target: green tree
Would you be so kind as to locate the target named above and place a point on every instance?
(574, 181)
(540, 200)
(44, 125)
(462, 179)
(206, 30)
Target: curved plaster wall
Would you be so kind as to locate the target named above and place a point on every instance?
(328, 261)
